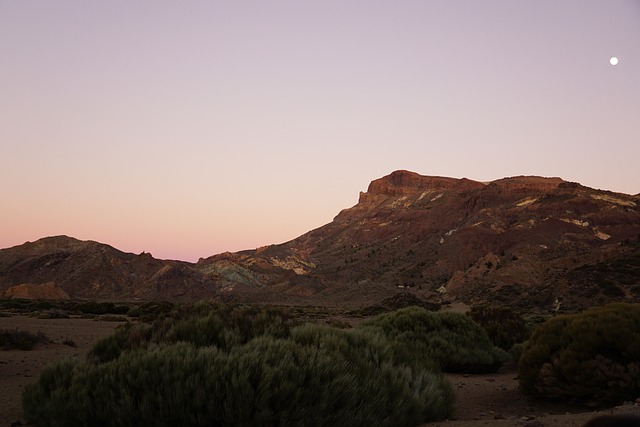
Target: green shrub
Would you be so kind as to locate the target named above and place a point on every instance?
(223, 327)
(267, 382)
(504, 326)
(365, 348)
(49, 401)
(20, 340)
(516, 351)
(302, 385)
(591, 358)
(150, 311)
(125, 337)
(453, 341)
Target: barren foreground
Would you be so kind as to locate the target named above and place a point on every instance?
(492, 399)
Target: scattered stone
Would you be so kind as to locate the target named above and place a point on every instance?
(533, 423)
(498, 417)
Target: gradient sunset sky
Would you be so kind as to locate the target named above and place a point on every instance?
(189, 128)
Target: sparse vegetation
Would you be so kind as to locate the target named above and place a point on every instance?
(592, 357)
(20, 340)
(56, 309)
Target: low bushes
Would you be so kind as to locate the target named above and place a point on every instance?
(453, 341)
(63, 306)
(20, 340)
(221, 326)
(267, 382)
(591, 358)
(240, 366)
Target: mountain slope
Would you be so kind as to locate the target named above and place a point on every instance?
(529, 241)
(514, 240)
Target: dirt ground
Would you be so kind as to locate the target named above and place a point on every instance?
(18, 368)
(492, 399)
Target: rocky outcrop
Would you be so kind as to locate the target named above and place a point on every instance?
(403, 183)
(49, 291)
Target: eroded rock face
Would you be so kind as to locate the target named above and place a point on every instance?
(49, 291)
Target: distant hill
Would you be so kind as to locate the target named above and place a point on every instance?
(528, 241)
(86, 269)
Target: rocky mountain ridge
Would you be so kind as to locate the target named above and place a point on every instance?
(529, 241)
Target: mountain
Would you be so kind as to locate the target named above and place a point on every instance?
(63, 267)
(528, 241)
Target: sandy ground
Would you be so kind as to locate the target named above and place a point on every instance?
(492, 399)
(18, 368)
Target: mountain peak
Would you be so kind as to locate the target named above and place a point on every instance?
(402, 182)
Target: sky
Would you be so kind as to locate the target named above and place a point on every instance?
(190, 128)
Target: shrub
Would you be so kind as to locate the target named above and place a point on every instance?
(365, 348)
(224, 327)
(267, 382)
(20, 340)
(125, 337)
(151, 310)
(504, 326)
(591, 358)
(302, 385)
(452, 340)
(516, 351)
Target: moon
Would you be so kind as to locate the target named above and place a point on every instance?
(613, 60)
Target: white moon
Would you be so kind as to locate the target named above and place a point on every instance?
(613, 60)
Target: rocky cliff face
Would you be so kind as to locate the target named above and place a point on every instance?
(529, 241)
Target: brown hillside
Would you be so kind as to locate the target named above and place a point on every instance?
(523, 240)
(86, 269)
(529, 241)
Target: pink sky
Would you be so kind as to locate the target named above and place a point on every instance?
(190, 128)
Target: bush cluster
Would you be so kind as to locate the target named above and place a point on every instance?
(504, 326)
(591, 358)
(246, 366)
(453, 341)
(222, 326)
